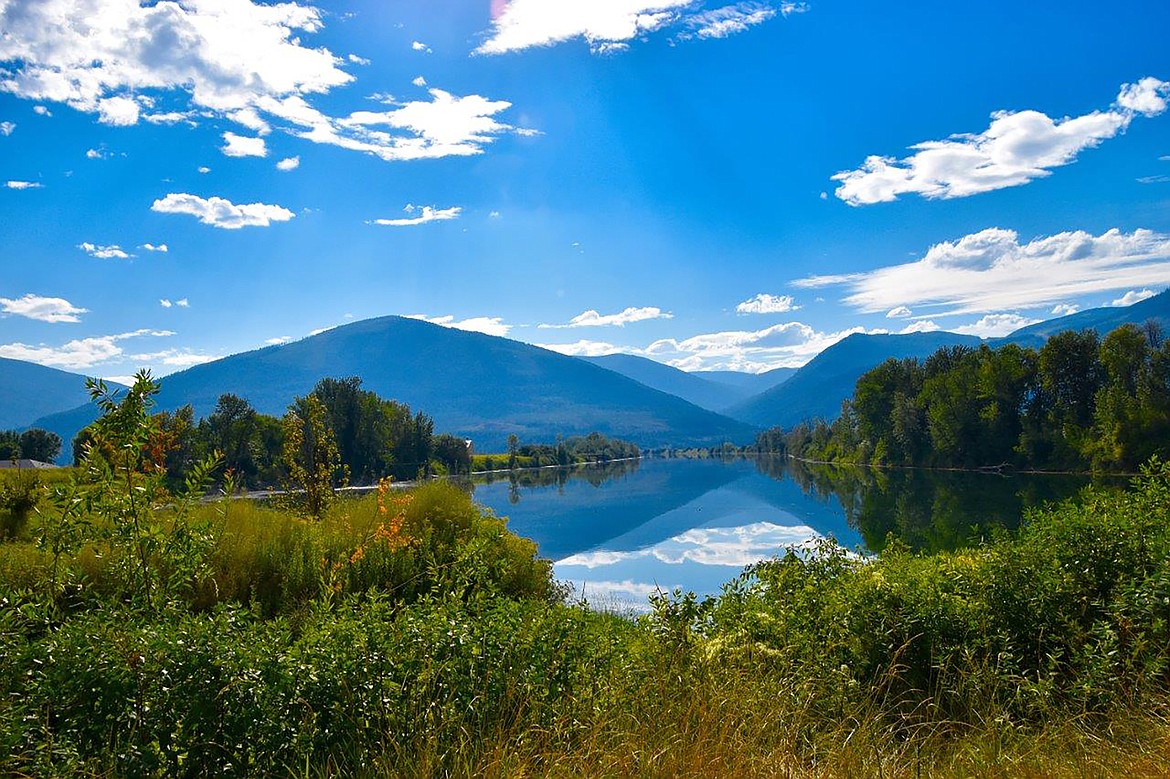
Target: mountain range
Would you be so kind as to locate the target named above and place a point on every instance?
(486, 388)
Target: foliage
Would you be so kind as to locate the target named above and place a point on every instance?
(311, 458)
(1080, 402)
(32, 444)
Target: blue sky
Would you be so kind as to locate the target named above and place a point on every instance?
(709, 184)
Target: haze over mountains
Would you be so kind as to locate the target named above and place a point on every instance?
(485, 388)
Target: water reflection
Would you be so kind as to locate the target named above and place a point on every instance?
(622, 531)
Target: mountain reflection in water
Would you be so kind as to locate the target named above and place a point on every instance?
(619, 532)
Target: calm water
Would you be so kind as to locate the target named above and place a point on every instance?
(620, 532)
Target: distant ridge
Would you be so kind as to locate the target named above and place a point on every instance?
(695, 388)
(29, 391)
(817, 389)
(479, 386)
(751, 383)
(1102, 320)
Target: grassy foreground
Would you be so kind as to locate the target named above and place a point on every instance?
(410, 634)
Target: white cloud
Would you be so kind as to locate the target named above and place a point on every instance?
(42, 309)
(181, 303)
(592, 318)
(1065, 309)
(23, 185)
(920, 326)
(41, 110)
(444, 126)
(1160, 179)
(991, 271)
(494, 215)
(278, 341)
(995, 325)
(289, 163)
(420, 46)
(425, 214)
(222, 213)
(491, 325)
(1133, 296)
(584, 348)
(419, 81)
(78, 354)
(204, 169)
(165, 303)
(118, 111)
(355, 59)
(234, 59)
(243, 146)
(899, 312)
(785, 345)
(608, 26)
(764, 303)
(96, 154)
(6, 128)
(173, 358)
(150, 247)
(1015, 149)
(113, 252)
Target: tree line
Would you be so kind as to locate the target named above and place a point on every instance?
(1080, 402)
(33, 444)
(362, 436)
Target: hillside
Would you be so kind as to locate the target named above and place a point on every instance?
(817, 389)
(31, 391)
(474, 385)
(1102, 320)
(749, 383)
(691, 387)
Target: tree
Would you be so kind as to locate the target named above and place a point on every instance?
(453, 453)
(310, 456)
(9, 445)
(513, 447)
(38, 444)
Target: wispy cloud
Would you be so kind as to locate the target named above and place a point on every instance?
(42, 309)
(425, 214)
(791, 344)
(78, 354)
(992, 271)
(585, 348)
(764, 303)
(995, 325)
(181, 303)
(611, 25)
(592, 318)
(1018, 147)
(6, 128)
(23, 185)
(490, 325)
(222, 213)
(152, 247)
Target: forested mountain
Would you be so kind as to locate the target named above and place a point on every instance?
(817, 389)
(473, 385)
(29, 391)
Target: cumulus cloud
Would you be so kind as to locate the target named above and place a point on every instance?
(420, 46)
(790, 345)
(1065, 309)
(113, 252)
(77, 354)
(6, 128)
(222, 213)
(419, 81)
(592, 318)
(42, 309)
(899, 312)
(173, 358)
(1017, 147)
(490, 325)
(920, 326)
(23, 185)
(289, 163)
(584, 348)
(608, 26)
(239, 60)
(425, 214)
(96, 154)
(992, 271)
(181, 303)
(150, 247)
(243, 146)
(764, 303)
(279, 340)
(1133, 296)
